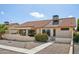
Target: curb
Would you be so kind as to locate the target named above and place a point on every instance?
(71, 47)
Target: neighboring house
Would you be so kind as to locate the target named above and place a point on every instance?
(57, 27)
(11, 27)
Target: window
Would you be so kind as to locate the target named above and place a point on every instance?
(55, 22)
(64, 28)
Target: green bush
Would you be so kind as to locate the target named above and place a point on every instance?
(76, 38)
(41, 37)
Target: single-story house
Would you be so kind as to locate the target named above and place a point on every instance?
(56, 27)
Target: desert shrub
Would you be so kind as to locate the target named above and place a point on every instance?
(76, 38)
(41, 37)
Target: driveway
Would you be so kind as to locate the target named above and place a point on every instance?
(19, 44)
(24, 50)
(16, 47)
(56, 48)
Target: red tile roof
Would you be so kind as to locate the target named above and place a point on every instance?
(44, 23)
(68, 22)
(65, 22)
(36, 23)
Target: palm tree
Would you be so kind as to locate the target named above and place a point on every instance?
(3, 29)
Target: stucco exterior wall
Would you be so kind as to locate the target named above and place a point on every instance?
(59, 33)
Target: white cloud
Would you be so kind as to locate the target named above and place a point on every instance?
(2, 12)
(70, 16)
(37, 14)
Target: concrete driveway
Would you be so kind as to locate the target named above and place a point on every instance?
(16, 47)
(27, 45)
(56, 48)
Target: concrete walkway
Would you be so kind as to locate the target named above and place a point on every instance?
(39, 48)
(22, 50)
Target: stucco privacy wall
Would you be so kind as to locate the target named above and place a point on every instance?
(64, 34)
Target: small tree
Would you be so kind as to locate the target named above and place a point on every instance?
(78, 25)
(3, 29)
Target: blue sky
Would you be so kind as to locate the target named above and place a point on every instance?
(20, 13)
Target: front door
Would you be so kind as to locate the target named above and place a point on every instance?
(54, 32)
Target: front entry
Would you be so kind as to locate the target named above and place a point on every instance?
(22, 32)
(46, 31)
(31, 32)
(54, 32)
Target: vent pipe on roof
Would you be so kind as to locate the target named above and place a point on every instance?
(55, 17)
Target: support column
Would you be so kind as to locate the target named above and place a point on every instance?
(18, 31)
(37, 31)
(51, 32)
(41, 31)
(26, 32)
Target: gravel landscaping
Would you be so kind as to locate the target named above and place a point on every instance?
(27, 45)
(56, 48)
